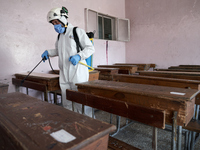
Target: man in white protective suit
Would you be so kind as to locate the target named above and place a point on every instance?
(71, 71)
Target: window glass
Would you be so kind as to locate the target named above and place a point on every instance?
(100, 25)
(107, 29)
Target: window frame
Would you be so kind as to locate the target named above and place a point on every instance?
(115, 25)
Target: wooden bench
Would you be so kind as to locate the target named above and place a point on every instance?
(106, 73)
(150, 116)
(193, 125)
(115, 144)
(30, 124)
(123, 69)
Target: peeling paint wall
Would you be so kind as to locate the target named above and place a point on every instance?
(26, 34)
(164, 32)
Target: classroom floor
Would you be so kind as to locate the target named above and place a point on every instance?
(140, 135)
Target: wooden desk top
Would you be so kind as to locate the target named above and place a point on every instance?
(147, 79)
(31, 121)
(44, 76)
(105, 69)
(124, 69)
(141, 89)
(189, 66)
(94, 72)
(57, 72)
(172, 74)
(161, 81)
(178, 70)
(184, 67)
(140, 66)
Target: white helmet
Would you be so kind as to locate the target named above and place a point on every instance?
(58, 13)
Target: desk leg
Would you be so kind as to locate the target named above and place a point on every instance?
(16, 88)
(93, 113)
(179, 137)
(83, 109)
(186, 140)
(118, 126)
(189, 140)
(55, 97)
(173, 143)
(193, 134)
(111, 115)
(46, 96)
(73, 106)
(154, 140)
(196, 112)
(27, 91)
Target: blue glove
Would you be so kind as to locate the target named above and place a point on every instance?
(45, 55)
(75, 59)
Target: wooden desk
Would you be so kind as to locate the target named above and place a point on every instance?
(93, 75)
(172, 74)
(38, 81)
(50, 80)
(141, 67)
(171, 82)
(148, 96)
(124, 69)
(30, 122)
(3, 88)
(44, 82)
(106, 73)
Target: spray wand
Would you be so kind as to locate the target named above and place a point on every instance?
(32, 70)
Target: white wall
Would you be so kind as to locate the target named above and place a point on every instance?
(26, 34)
(164, 32)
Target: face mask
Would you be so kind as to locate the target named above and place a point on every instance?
(59, 28)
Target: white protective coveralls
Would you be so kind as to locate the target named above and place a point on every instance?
(70, 74)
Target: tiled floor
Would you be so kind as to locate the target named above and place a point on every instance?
(140, 135)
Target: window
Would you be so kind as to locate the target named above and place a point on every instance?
(107, 27)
